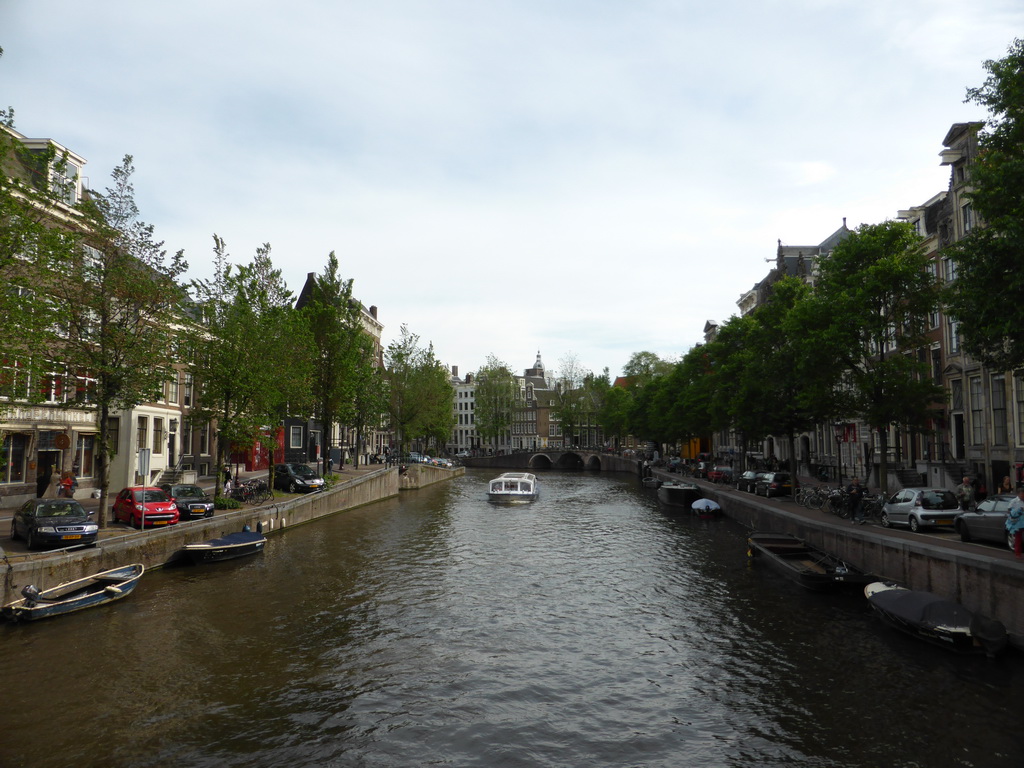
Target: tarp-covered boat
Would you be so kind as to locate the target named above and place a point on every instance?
(227, 547)
(935, 620)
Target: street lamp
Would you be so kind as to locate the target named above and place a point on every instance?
(840, 430)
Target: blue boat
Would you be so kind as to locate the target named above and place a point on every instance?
(98, 589)
(227, 547)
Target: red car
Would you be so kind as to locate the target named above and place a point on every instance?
(140, 505)
(720, 474)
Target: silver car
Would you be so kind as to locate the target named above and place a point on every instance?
(987, 522)
(920, 507)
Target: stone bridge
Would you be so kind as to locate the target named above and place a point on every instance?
(593, 461)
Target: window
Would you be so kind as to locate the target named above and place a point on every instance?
(949, 269)
(51, 387)
(967, 215)
(188, 390)
(13, 452)
(977, 410)
(954, 335)
(13, 380)
(142, 433)
(85, 388)
(172, 389)
(186, 437)
(85, 453)
(158, 436)
(295, 439)
(113, 435)
(998, 384)
(204, 439)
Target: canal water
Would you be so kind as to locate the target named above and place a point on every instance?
(590, 628)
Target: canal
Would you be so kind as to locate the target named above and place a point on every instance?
(590, 628)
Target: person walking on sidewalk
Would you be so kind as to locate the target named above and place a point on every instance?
(965, 495)
(855, 498)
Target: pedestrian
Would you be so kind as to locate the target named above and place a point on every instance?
(43, 477)
(965, 495)
(227, 475)
(68, 484)
(1006, 486)
(1015, 521)
(855, 498)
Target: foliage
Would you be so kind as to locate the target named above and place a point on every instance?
(876, 292)
(987, 297)
(420, 394)
(495, 396)
(573, 405)
(117, 303)
(248, 354)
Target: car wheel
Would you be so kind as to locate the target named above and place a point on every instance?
(886, 523)
(14, 530)
(291, 486)
(965, 534)
(915, 524)
(30, 540)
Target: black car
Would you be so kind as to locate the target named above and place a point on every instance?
(53, 521)
(296, 477)
(191, 500)
(747, 481)
(774, 484)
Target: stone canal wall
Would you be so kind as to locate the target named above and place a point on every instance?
(985, 579)
(418, 476)
(155, 548)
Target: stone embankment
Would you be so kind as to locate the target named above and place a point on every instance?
(155, 548)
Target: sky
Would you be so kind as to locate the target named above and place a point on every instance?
(586, 180)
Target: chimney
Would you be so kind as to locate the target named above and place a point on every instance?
(455, 371)
(373, 312)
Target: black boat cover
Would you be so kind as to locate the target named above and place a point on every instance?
(922, 608)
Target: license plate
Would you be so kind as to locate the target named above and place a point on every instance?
(944, 521)
(75, 536)
(160, 522)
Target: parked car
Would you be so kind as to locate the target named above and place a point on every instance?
(53, 521)
(987, 522)
(296, 477)
(462, 455)
(920, 507)
(141, 505)
(747, 481)
(720, 474)
(191, 500)
(774, 484)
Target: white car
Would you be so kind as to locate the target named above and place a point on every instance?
(462, 455)
(919, 507)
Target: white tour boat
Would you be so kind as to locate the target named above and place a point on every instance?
(513, 486)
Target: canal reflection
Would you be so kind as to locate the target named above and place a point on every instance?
(588, 628)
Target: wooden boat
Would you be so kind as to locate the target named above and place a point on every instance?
(100, 588)
(935, 620)
(227, 547)
(808, 566)
(651, 482)
(513, 487)
(677, 494)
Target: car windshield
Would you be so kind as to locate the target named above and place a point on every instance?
(187, 492)
(150, 495)
(302, 470)
(60, 509)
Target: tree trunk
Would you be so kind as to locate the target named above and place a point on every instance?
(883, 460)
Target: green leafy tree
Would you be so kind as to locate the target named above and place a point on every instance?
(116, 307)
(572, 405)
(495, 398)
(370, 401)
(420, 395)
(987, 297)
(337, 335)
(249, 353)
(872, 300)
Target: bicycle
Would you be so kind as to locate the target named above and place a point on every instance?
(817, 497)
(838, 503)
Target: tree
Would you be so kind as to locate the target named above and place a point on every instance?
(495, 399)
(420, 394)
(872, 299)
(249, 353)
(332, 316)
(572, 404)
(37, 229)
(370, 401)
(987, 298)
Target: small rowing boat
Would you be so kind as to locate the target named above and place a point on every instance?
(88, 592)
(811, 568)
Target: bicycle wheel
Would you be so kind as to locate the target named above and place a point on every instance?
(816, 501)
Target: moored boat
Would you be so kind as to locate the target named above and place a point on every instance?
(808, 566)
(935, 620)
(238, 544)
(513, 486)
(87, 592)
(677, 494)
